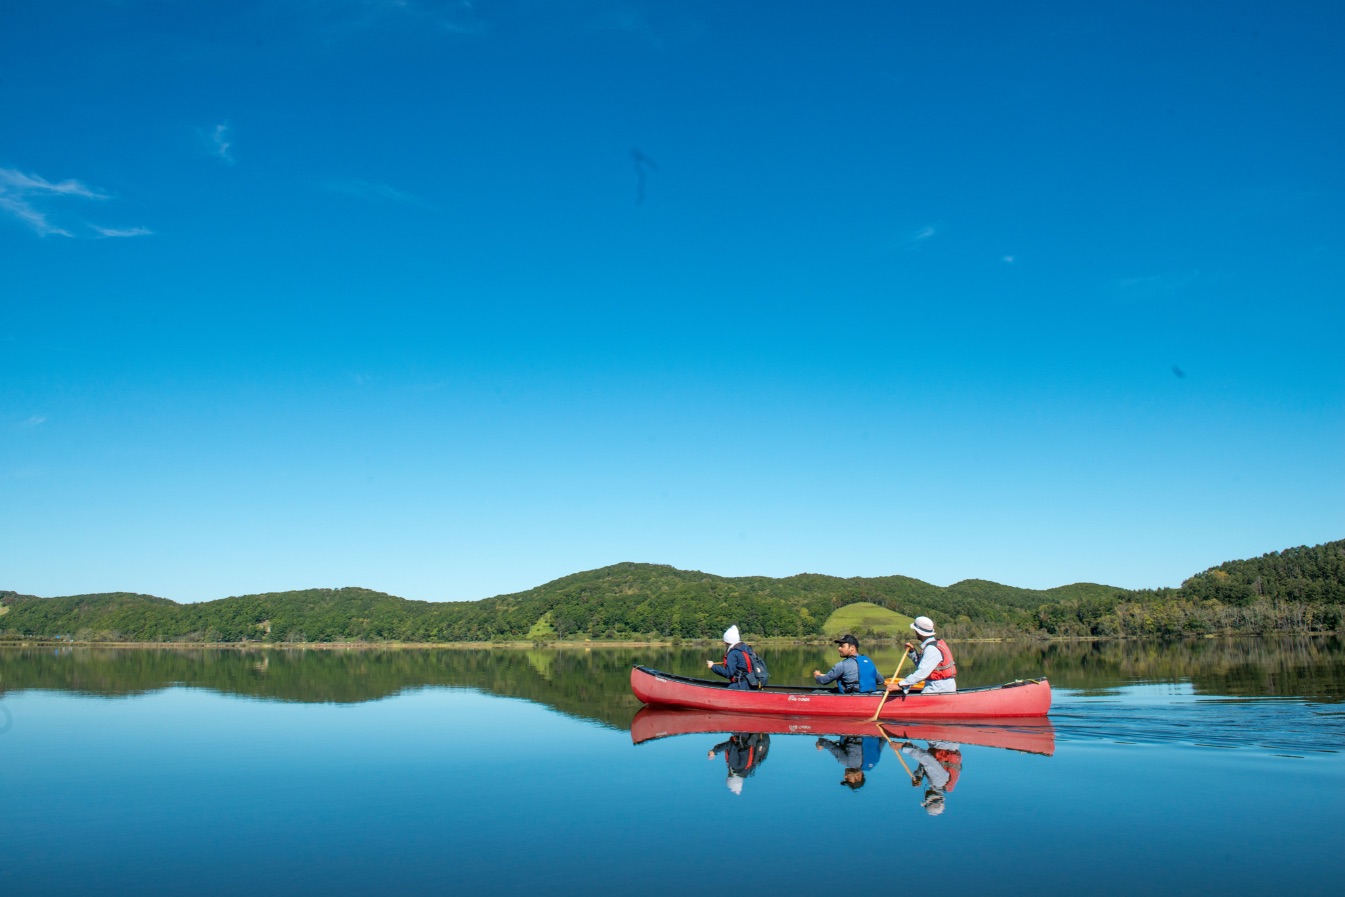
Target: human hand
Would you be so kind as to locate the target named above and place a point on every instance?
(710, 756)
(709, 664)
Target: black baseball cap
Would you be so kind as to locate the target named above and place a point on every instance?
(848, 639)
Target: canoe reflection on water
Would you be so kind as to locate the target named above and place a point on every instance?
(858, 746)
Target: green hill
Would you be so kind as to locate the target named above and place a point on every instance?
(865, 619)
(1301, 589)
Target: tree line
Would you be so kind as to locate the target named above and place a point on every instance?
(1297, 590)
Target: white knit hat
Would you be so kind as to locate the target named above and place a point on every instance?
(731, 636)
(735, 783)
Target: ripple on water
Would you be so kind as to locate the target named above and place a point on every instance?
(1173, 713)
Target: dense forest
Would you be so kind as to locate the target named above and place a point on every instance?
(1297, 590)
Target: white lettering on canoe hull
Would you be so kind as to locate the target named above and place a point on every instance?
(803, 698)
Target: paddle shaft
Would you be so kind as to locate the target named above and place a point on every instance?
(888, 690)
(892, 744)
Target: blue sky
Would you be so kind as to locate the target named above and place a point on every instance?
(451, 299)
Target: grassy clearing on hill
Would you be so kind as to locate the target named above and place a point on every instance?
(863, 618)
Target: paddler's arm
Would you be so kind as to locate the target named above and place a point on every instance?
(928, 661)
(830, 675)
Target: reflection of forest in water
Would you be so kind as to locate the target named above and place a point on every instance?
(594, 684)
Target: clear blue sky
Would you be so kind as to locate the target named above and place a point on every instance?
(449, 299)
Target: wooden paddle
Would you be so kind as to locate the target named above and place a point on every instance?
(892, 744)
(888, 689)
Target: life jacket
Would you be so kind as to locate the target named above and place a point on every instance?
(946, 669)
(873, 751)
(951, 761)
(869, 677)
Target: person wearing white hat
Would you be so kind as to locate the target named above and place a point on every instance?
(740, 662)
(933, 802)
(743, 753)
(933, 661)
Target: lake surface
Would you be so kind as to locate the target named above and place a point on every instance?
(1165, 768)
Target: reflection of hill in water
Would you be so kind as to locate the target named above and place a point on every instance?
(594, 684)
(580, 683)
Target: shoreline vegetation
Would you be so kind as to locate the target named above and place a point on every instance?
(715, 644)
(592, 681)
(1298, 590)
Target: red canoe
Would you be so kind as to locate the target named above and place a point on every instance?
(1016, 700)
(1033, 735)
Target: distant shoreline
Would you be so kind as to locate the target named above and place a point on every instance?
(588, 643)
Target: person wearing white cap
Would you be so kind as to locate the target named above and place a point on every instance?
(933, 661)
(743, 753)
(739, 664)
(933, 802)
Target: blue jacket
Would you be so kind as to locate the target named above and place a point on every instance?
(734, 668)
(744, 751)
(860, 752)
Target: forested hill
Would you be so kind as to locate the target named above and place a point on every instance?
(623, 601)
(1301, 589)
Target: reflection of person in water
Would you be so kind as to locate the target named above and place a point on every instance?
(858, 754)
(940, 765)
(744, 753)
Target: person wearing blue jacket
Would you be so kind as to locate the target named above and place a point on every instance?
(857, 753)
(734, 665)
(853, 673)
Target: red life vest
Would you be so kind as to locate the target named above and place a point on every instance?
(951, 761)
(946, 669)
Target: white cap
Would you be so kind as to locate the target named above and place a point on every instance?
(731, 636)
(923, 626)
(933, 802)
(735, 783)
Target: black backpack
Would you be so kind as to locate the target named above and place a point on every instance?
(756, 674)
(746, 751)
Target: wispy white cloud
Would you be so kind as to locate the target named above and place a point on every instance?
(36, 420)
(219, 142)
(25, 212)
(28, 198)
(924, 233)
(122, 231)
(1009, 259)
(30, 183)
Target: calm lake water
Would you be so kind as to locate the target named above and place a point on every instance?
(1211, 766)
